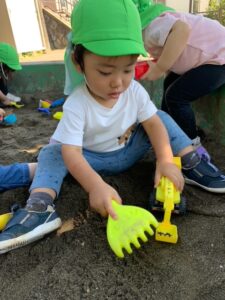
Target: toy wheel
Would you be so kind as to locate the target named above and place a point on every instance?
(183, 205)
(181, 208)
(151, 201)
(154, 205)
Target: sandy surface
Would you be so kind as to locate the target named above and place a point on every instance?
(80, 265)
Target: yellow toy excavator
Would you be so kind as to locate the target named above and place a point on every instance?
(168, 199)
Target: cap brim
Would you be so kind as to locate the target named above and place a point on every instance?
(15, 67)
(110, 48)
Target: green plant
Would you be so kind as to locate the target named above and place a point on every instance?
(216, 10)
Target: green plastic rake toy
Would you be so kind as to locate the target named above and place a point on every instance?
(131, 225)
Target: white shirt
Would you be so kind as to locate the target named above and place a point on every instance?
(88, 124)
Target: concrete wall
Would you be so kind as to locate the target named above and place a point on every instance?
(209, 110)
(210, 113)
(39, 81)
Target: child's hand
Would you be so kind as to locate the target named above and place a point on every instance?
(2, 114)
(100, 198)
(6, 101)
(154, 72)
(171, 171)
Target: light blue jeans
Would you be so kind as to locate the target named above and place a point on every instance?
(14, 176)
(51, 169)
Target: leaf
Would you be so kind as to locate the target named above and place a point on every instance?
(68, 225)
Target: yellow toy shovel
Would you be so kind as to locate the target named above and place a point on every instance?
(169, 195)
(4, 219)
(131, 225)
(16, 105)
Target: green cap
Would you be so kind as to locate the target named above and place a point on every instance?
(107, 27)
(148, 11)
(9, 56)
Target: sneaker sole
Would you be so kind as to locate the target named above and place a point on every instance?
(36, 234)
(212, 190)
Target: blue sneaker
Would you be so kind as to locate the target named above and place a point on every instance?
(206, 176)
(28, 226)
(202, 152)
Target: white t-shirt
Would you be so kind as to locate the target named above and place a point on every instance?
(88, 124)
(206, 43)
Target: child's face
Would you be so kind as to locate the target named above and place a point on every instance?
(108, 77)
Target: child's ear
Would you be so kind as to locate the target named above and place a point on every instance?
(76, 65)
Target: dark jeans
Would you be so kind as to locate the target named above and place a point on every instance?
(181, 90)
(3, 86)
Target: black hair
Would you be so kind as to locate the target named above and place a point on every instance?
(5, 71)
(7, 68)
(78, 54)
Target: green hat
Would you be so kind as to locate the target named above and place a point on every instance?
(107, 27)
(148, 11)
(9, 56)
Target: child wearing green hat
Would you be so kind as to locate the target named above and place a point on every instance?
(9, 63)
(18, 174)
(109, 123)
(190, 50)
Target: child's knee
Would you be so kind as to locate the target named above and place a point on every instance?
(50, 152)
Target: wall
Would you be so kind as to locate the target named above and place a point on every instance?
(210, 113)
(49, 3)
(180, 5)
(6, 34)
(57, 30)
(203, 5)
(39, 81)
(25, 25)
(209, 110)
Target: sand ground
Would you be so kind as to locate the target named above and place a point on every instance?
(79, 263)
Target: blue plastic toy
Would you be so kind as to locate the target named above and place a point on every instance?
(44, 110)
(9, 120)
(57, 102)
(47, 110)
